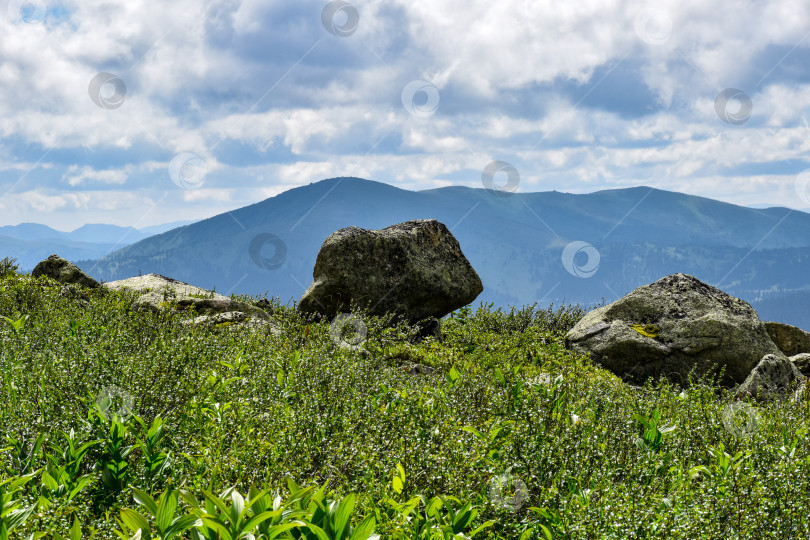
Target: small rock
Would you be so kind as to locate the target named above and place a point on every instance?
(265, 305)
(802, 362)
(64, 271)
(773, 375)
(229, 318)
(429, 328)
(161, 293)
(789, 339)
(418, 369)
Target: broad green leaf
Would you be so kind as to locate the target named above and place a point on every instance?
(145, 500)
(319, 533)
(134, 520)
(463, 518)
(237, 507)
(257, 520)
(214, 523)
(180, 525)
(217, 503)
(76, 530)
(284, 527)
(343, 516)
(485, 525)
(364, 529)
(166, 508)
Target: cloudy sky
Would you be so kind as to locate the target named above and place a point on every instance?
(145, 112)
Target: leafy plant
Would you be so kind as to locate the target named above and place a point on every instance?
(167, 524)
(16, 325)
(652, 433)
(155, 460)
(422, 518)
(12, 513)
(113, 462)
(8, 266)
(74, 534)
(63, 475)
(23, 456)
(237, 520)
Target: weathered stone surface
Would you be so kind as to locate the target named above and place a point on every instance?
(161, 293)
(789, 339)
(230, 318)
(64, 271)
(802, 362)
(669, 327)
(415, 269)
(774, 375)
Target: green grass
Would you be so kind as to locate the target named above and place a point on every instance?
(103, 409)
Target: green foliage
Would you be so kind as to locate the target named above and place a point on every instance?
(8, 266)
(16, 325)
(12, 512)
(122, 424)
(652, 436)
(163, 512)
(63, 476)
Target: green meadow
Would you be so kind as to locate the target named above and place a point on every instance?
(126, 424)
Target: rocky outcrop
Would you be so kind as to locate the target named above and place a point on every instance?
(64, 271)
(671, 327)
(802, 362)
(414, 269)
(158, 293)
(789, 339)
(773, 376)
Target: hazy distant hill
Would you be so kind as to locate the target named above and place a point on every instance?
(29, 243)
(515, 242)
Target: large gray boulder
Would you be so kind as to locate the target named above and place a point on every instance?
(160, 293)
(789, 339)
(773, 376)
(64, 271)
(672, 326)
(414, 269)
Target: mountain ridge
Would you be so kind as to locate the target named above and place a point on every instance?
(31, 242)
(515, 241)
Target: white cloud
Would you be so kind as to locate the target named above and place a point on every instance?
(511, 76)
(76, 176)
